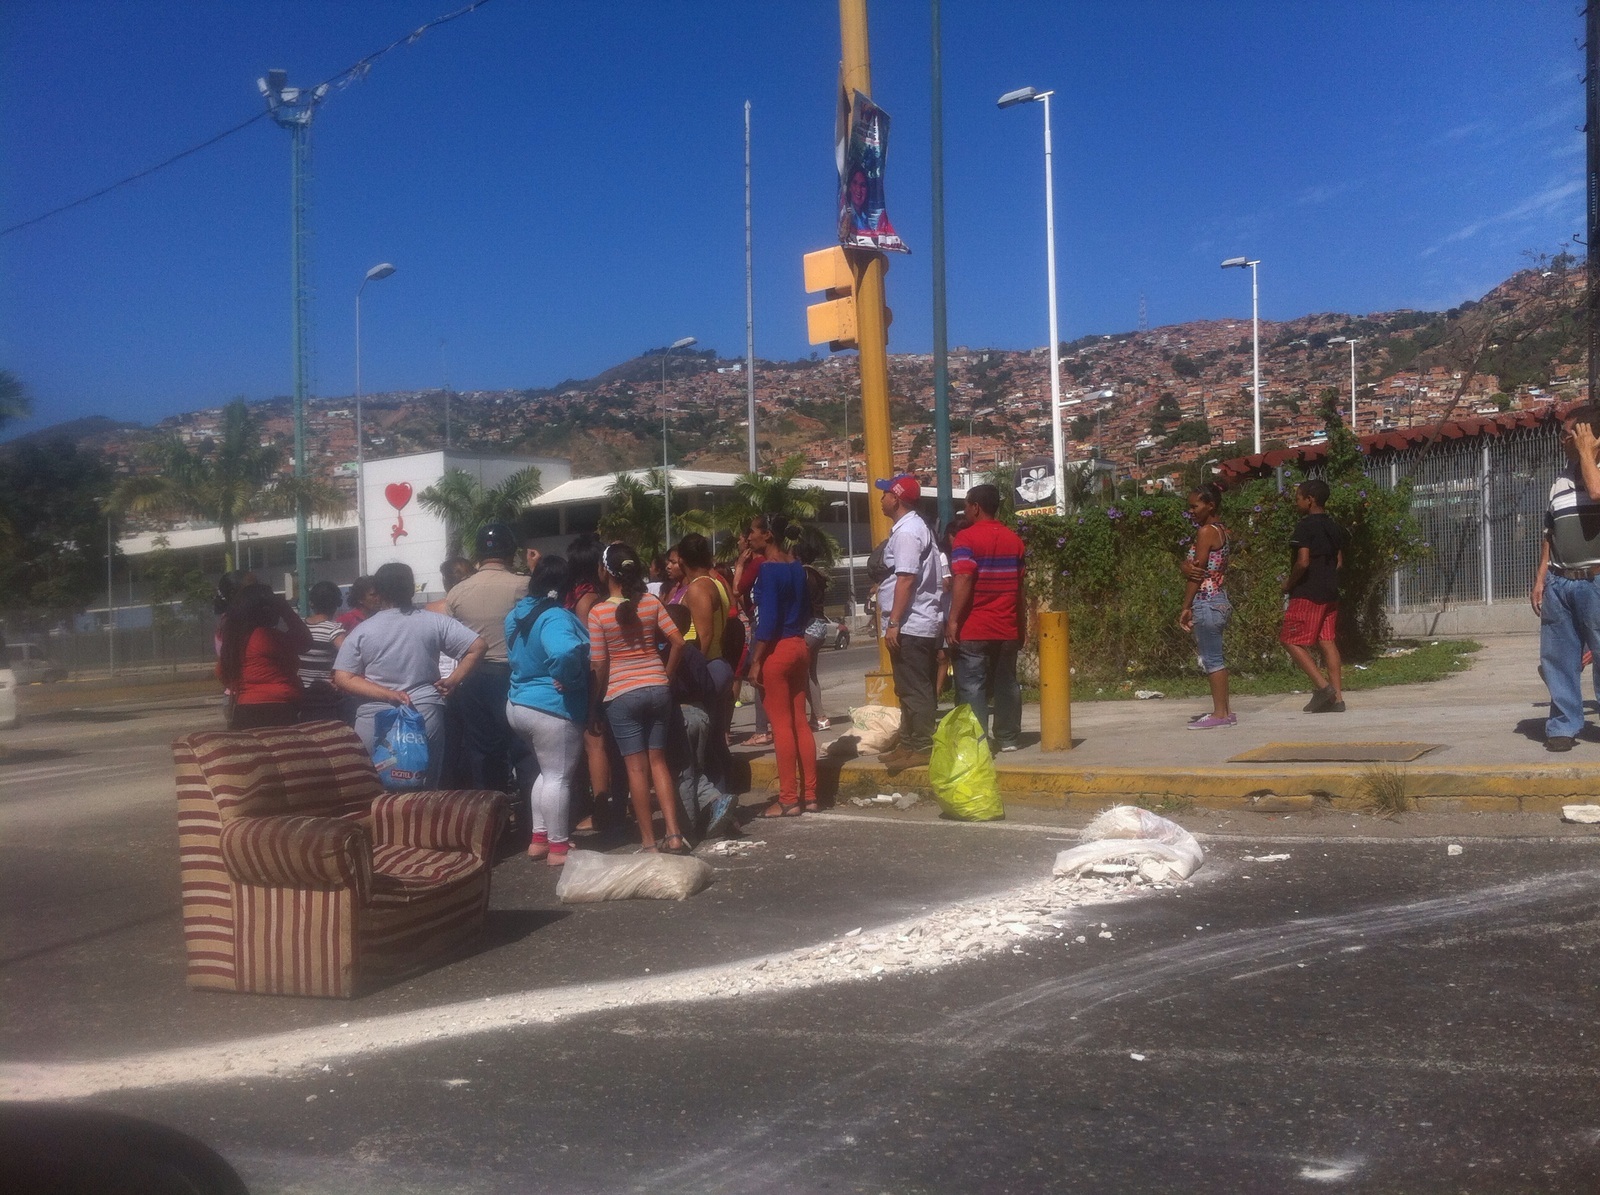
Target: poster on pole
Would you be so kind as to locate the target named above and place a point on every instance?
(1036, 486)
(861, 146)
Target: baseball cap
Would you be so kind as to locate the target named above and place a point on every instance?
(903, 486)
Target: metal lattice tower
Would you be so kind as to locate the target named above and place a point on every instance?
(292, 109)
(1591, 128)
(1144, 314)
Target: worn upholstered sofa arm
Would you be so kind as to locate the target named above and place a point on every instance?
(454, 820)
(298, 852)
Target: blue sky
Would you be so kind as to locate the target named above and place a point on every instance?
(560, 194)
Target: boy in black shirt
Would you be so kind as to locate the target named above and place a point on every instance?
(1312, 615)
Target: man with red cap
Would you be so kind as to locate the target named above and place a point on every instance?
(908, 603)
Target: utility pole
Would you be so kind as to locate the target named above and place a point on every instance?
(872, 327)
(292, 109)
(1591, 87)
(941, 364)
(749, 305)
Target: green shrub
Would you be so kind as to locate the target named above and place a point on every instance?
(1115, 571)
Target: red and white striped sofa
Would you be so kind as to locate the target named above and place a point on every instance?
(302, 876)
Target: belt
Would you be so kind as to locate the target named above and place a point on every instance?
(1587, 573)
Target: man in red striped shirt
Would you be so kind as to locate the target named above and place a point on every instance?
(988, 622)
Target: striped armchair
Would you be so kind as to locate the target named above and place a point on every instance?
(302, 876)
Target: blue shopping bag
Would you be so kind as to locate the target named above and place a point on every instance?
(400, 750)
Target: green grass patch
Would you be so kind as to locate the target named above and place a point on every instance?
(1423, 661)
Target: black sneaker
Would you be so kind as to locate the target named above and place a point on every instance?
(1336, 708)
(1559, 742)
(1321, 701)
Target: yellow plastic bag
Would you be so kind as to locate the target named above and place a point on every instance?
(962, 770)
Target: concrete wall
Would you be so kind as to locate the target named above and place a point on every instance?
(1465, 622)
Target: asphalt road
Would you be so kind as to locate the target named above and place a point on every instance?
(1364, 1015)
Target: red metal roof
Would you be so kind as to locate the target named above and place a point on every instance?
(1242, 468)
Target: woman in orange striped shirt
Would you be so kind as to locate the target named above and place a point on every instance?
(631, 688)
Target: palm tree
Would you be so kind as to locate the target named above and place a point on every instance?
(223, 481)
(781, 493)
(465, 505)
(634, 513)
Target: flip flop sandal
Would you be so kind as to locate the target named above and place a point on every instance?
(682, 848)
(779, 809)
(811, 807)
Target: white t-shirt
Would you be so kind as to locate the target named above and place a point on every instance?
(401, 651)
(911, 552)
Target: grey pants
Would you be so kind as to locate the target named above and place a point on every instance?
(557, 747)
(916, 667)
(696, 790)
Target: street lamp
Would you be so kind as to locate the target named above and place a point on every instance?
(1025, 95)
(376, 274)
(1255, 333)
(666, 479)
(1352, 341)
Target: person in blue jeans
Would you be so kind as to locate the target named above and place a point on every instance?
(1566, 588)
(1206, 609)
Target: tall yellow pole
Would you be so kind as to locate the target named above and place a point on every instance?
(1055, 682)
(872, 328)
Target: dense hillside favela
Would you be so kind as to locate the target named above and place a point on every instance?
(1149, 401)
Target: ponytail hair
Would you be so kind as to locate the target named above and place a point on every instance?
(783, 530)
(1209, 492)
(622, 564)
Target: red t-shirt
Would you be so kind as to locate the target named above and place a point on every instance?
(271, 670)
(992, 553)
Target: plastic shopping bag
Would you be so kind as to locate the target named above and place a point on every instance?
(594, 876)
(400, 750)
(962, 770)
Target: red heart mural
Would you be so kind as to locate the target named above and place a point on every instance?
(398, 493)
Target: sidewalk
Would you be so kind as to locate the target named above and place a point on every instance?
(1488, 723)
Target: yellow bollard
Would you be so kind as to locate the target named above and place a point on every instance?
(1055, 682)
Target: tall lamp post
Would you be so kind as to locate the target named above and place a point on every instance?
(1255, 334)
(292, 109)
(376, 274)
(1352, 341)
(1025, 95)
(666, 478)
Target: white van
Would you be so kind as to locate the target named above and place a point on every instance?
(31, 665)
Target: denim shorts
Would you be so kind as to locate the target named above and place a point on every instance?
(639, 719)
(1211, 614)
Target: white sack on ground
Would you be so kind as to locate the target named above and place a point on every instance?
(1159, 848)
(592, 876)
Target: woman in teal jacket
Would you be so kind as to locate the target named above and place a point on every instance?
(549, 702)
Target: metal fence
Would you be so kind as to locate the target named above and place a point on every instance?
(1480, 502)
(83, 647)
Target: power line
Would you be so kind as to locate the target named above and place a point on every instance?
(344, 78)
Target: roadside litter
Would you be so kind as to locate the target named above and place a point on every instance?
(1453, 849)
(1586, 815)
(734, 846)
(1159, 849)
(961, 769)
(898, 800)
(1149, 694)
(592, 876)
(1265, 858)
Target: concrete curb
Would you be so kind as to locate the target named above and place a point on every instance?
(1279, 788)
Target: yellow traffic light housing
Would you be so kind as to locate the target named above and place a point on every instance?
(833, 321)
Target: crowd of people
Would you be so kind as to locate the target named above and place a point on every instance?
(594, 685)
(582, 687)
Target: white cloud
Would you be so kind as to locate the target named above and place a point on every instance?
(1547, 202)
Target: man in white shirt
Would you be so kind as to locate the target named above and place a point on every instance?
(908, 603)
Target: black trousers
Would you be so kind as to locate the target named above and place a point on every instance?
(916, 670)
(495, 754)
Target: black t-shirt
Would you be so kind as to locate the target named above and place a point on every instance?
(1324, 538)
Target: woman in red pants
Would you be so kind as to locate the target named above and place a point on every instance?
(780, 665)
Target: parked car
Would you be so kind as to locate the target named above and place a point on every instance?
(8, 699)
(31, 665)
